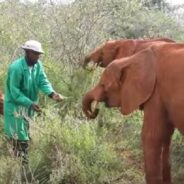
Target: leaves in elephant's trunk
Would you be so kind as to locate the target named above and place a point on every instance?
(94, 112)
(91, 67)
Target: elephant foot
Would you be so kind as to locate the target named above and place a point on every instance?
(154, 181)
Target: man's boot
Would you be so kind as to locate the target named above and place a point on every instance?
(21, 150)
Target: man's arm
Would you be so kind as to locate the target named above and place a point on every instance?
(46, 87)
(44, 84)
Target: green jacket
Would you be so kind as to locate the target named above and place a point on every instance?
(22, 87)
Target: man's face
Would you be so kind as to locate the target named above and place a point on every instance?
(32, 56)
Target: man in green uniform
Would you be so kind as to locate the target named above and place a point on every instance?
(25, 78)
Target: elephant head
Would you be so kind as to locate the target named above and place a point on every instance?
(107, 52)
(115, 49)
(126, 83)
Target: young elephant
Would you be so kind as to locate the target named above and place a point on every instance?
(147, 79)
(115, 49)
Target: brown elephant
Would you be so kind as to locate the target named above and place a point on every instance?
(151, 79)
(1, 102)
(115, 49)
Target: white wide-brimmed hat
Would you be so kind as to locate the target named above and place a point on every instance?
(33, 45)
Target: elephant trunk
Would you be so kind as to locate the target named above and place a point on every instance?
(87, 106)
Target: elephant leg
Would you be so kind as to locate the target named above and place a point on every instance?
(153, 135)
(152, 159)
(166, 168)
(156, 154)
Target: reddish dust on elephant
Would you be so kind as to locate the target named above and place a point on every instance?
(147, 79)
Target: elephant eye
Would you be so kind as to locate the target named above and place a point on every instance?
(102, 54)
(107, 87)
(100, 57)
(102, 85)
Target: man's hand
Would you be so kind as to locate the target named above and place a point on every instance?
(36, 107)
(57, 97)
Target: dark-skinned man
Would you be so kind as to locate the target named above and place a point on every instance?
(25, 78)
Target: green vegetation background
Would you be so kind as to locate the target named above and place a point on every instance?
(66, 148)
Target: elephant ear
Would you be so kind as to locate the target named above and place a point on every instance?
(138, 78)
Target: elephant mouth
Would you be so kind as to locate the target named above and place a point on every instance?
(101, 64)
(91, 67)
(110, 104)
(107, 104)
